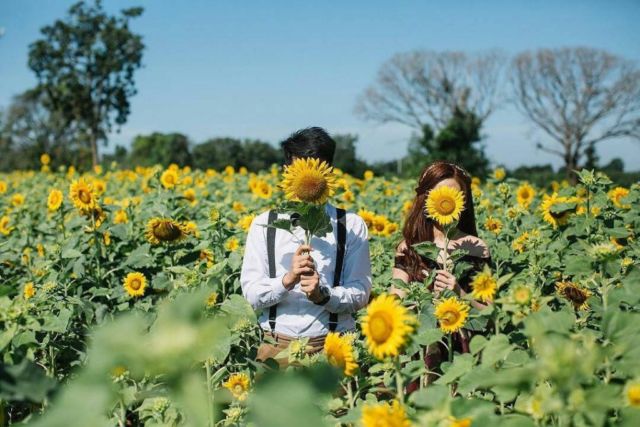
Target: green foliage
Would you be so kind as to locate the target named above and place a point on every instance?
(160, 149)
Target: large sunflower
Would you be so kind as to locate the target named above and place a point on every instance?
(577, 295)
(452, 314)
(309, 180)
(444, 204)
(340, 353)
(386, 325)
(54, 201)
(135, 283)
(484, 286)
(384, 414)
(238, 385)
(164, 230)
(525, 195)
(554, 218)
(82, 195)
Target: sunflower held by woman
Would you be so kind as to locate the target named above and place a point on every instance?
(444, 205)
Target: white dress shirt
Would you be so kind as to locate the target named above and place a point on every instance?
(296, 315)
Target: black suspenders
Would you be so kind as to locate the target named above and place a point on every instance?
(271, 249)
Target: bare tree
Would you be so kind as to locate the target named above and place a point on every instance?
(579, 97)
(425, 88)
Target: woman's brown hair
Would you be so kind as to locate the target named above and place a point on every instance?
(419, 228)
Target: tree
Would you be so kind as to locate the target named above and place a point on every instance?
(217, 153)
(345, 157)
(160, 149)
(457, 142)
(426, 88)
(86, 66)
(31, 129)
(579, 97)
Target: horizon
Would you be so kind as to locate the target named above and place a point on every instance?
(243, 71)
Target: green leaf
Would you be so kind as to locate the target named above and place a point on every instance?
(496, 350)
(57, 323)
(461, 365)
(71, 253)
(427, 249)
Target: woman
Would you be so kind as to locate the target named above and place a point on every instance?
(411, 267)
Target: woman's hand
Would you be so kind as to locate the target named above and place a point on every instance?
(445, 280)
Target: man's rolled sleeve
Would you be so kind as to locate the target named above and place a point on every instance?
(355, 288)
(257, 287)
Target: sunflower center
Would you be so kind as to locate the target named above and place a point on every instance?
(450, 317)
(311, 187)
(238, 389)
(522, 295)
(380, 328)
(84, 196)
(165, 230)
(446, 206)
(135, 284)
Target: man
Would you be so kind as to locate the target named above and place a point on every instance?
(306, 292)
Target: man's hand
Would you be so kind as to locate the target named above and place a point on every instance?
(301, 264)
(445, 280)
(310, 285)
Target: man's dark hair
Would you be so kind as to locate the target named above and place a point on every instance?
(310, 142)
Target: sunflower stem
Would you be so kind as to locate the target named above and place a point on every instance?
(399, 383)
(210, 395)
(450, 342)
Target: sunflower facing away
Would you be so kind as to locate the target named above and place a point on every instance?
(386, 326)
(574, 293)
(451, 314)
(384, 414)
(484, 286)
(82, 195)
(444, 204)
(553, 218)
(340, 353)
(617, 194)
(308, 180)
(135, 284)
(54, 201)
(238, 385)
(164, 230)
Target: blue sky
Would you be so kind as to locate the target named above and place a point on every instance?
(262, 69)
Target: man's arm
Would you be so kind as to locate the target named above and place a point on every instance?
(257, 287)
(353, 293)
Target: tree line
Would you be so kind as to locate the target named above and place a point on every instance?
(85, 64)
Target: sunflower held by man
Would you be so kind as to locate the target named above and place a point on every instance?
(309, 180)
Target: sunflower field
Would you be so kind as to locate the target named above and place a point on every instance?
(120, 304)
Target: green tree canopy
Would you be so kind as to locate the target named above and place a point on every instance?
(85, 64)
(160, 148)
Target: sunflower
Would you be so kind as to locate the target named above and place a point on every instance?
(121, 217)
(574, 293)
(164, 230)
(367, 216)
(309, 180)
(462, 422)
(99, 186)
(384, 414)
(206, 255)
(444, 204)
(262, 189)
(484, 286)
(386, 326)
(452, 314)
(340, 353)
(617, 194)
(633, 394)
(379, 224)
(45, 159)
(232, 244)
(237, 206)
(17, 199)
(54, 201)
(521, 294)
(3, 187)
(5, 228)
(190, 195)
(499, 174)
(135, 284)
(368, 175)
(28, 291)
(82, 195)
(554, 218)
(169, 178)
(494, 225)
(525, 195)
(238, 385)
(212, 299)
(245, 222)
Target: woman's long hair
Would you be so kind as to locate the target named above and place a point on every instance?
(419, 228)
